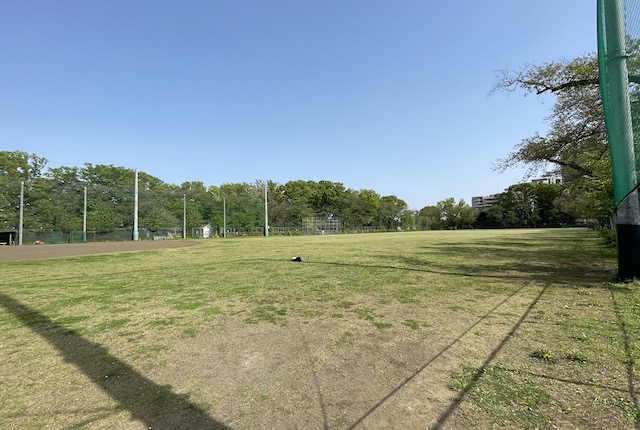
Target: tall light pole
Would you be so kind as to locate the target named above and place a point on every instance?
(135, 209)
(20, 227)
(266, 211)
(184, 216)
(84, 217)
(224, 217)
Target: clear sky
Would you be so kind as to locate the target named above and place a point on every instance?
(384, 95)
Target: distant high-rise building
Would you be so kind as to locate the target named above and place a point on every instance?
(484, 202)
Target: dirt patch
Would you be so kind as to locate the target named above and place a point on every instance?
(43, 252)
(332, 373)
(321, 374)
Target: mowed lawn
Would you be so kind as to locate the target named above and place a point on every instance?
(428, 330)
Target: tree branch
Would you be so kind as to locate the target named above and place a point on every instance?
(542, 88)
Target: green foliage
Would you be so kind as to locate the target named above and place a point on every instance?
(16, 167)
(576, 144)
(527, 205)
(21, 166)
(54, 200)
(448, 214)
(608, 236)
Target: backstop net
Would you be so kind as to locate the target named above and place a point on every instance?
(618, 48)
(619, 61)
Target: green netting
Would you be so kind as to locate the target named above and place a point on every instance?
(619, 60)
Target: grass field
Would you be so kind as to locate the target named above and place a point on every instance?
(436, 330)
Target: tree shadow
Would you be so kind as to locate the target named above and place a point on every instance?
(436, 271)
(157, 406)
(522, 270)
(521, 265)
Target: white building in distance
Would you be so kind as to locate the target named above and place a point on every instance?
(481, 203)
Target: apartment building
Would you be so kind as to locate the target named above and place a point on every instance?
(484, 202)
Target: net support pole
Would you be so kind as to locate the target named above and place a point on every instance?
(21, 220)
(266, 211)
(84, 217)
(616, 89)
(135, 209)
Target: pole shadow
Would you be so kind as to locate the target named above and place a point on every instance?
(316, 381)
(629, 355)
(444, 417)
(157, 406)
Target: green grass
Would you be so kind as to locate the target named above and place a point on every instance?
(535, 330)
(505, 396)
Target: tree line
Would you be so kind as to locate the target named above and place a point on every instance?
(54, 200)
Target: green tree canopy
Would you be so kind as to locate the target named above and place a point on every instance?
(576, 144)
(448, 214)
(54, 200)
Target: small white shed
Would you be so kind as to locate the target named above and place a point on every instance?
(204, 231)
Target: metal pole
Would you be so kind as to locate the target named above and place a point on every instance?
(184, 216)
(20, 227)
(617, 89)
(266, 212)
(84, 217)
(135, 209)
(224, 217)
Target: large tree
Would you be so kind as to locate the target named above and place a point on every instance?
(576, 144)
(448, 214)
(392, 210)
(17, 167)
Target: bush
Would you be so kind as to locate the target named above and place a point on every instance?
(608, 236)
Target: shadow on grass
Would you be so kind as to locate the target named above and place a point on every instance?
(629, 358)
(445, 416)
(517, 270)
(155, 405)
(545, 258)
(521, 271)
(316, 381)
(415, 266)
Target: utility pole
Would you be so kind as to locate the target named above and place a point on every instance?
(184, 216)
(224, 217)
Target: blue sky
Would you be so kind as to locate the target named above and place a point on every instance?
(384, 95)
